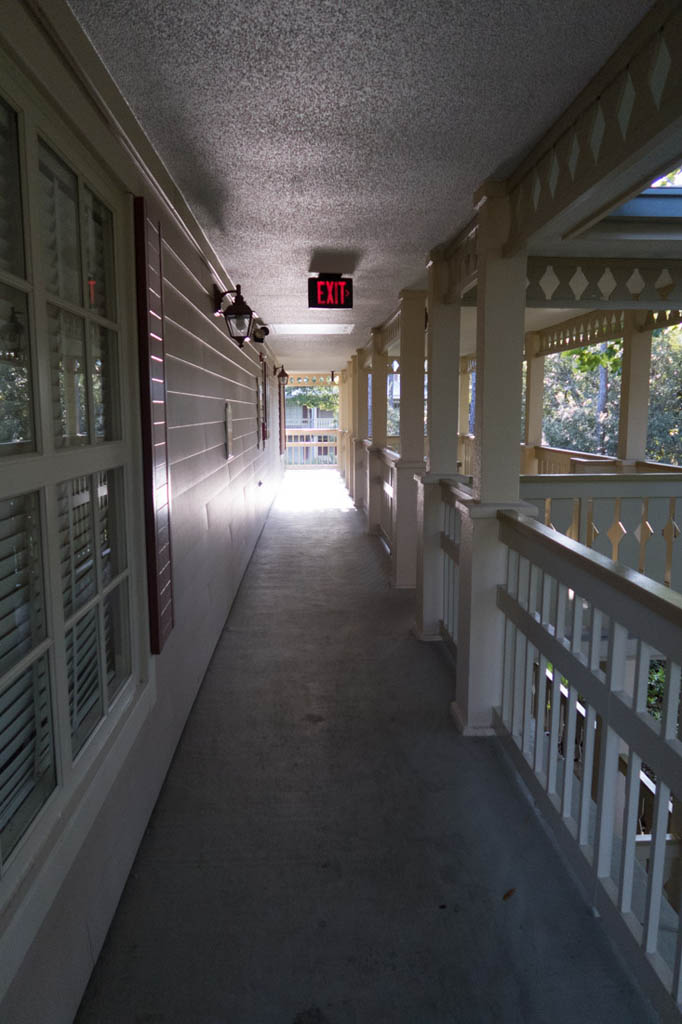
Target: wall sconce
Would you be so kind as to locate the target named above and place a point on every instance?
(283, 376)
(238, 316)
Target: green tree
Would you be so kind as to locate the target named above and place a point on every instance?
(582, 399)
(318, 396)
(664, 437)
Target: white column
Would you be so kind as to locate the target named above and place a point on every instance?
(499, 349)
(361, 431)
(535, 380)
(499, 355)
(634, 395)
(442, 348)
(352, 369)
(379, 373)
(412, 350)
(464, 388)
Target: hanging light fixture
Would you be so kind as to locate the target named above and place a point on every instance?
(283, 376)
(238, 315)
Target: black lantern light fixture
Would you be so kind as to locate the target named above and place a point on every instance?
(238, 315)
(283, 376)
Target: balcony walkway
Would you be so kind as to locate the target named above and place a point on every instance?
(326, 849)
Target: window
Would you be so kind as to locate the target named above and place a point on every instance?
(66, 649)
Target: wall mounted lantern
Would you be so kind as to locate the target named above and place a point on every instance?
(238, 315)
(283, 376)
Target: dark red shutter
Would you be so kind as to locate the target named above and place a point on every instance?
(154, 427)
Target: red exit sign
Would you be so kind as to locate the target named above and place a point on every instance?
(330, 292)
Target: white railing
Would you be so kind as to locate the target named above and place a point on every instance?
(583, 639)
(450, 536)
(307, 447)
(387, 481)
(629, 518)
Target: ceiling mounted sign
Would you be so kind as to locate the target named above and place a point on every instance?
(330, 291)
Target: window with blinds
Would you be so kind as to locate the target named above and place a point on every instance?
(27, 772)
(93, 578)
(66, 652)
(16, 403)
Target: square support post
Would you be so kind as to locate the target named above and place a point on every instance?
(353, 421)
(535, 382)
(634, 395)
(379, 373)
(443, 359)
(412, 348)
(499, 357)
(361, 430)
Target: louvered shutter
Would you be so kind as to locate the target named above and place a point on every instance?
(149, 270)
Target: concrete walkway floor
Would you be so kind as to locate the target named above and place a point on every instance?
(326, 849)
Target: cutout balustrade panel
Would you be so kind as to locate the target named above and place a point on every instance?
(632, 519)
(591, 699)
(157, 499)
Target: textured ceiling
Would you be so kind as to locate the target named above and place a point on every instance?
(298, 130)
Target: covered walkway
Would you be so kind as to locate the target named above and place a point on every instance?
(326, 848)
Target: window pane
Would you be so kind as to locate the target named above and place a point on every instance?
(11, 228)
(69, 381)
(99, 255)
(103, 368)
(111, 523)
(116, 639)
(22, 614)
(27, 772)
(59, 235)
(76, 543)
(16, 405)
(85, 691)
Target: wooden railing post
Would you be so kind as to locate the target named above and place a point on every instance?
(501, 292)
(360, 433)
(634, 395)
(442, 346)
(404, 552)
(379, 367)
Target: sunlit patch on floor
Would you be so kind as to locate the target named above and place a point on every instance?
(312, 490)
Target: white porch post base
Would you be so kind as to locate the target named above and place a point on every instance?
(429, 581)
(359, 473)
(462, 727)
(404, 546)
(480, 628)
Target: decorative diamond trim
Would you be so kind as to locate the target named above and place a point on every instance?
(627, 102)
(660, 69)
(553, 173)
(597, 133)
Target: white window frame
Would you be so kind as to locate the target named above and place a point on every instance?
(43, 469)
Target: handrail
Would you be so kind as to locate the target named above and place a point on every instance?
(572, 562)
